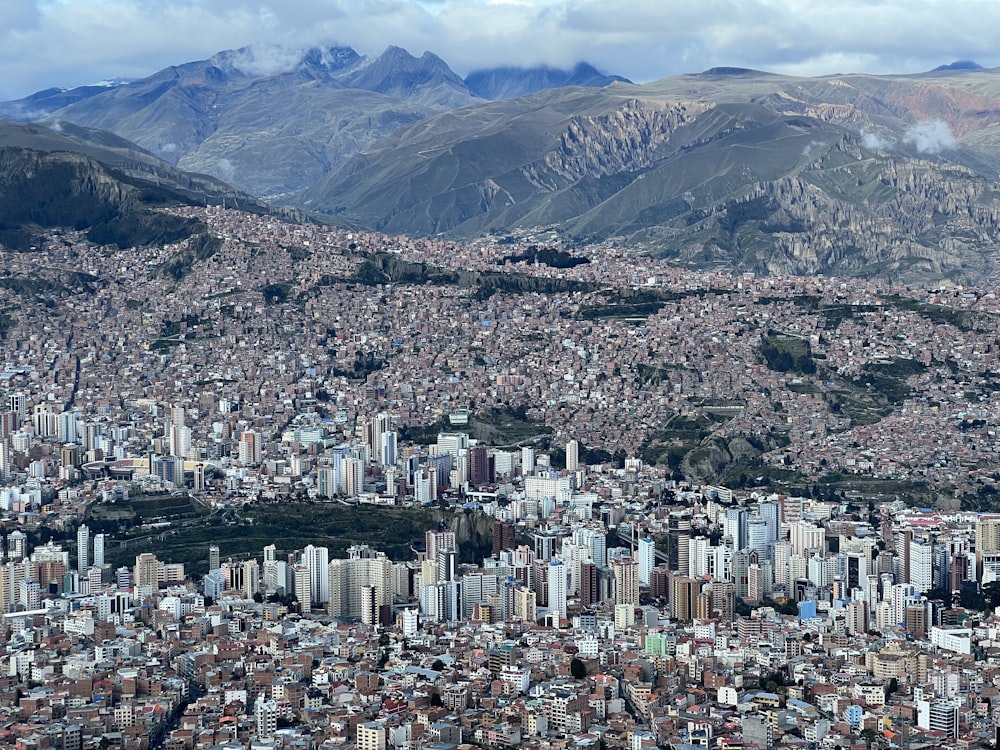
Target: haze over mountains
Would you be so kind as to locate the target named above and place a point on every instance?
(844, 174)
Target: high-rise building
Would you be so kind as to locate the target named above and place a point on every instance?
(479, 466)
(646, 559)
(46, 420)
(251, 448)
(317, 560)
(213, 557)
(17, 545)
(679, 540)
(18, 403)
(589, 584)
(921, 567)
(364, 568)
(558, 580)
(626, 571)
(503, 536)
(723, 601)
(178, 434)
(735, 526)
(99, 550)
(265, 714)
(683, 594)
(148, 571)
(352, 476)
(572, 455)
(939, 715)
(302, 586)
(269, 570)
(82, 549)
(527, 461)
(438, 539)
(758, 535)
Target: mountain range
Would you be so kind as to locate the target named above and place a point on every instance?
(894, 176)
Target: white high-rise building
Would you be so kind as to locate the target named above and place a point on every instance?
(806, 536)
(318, 562)
(82, 549)
(758, 534)
(594, 540)
(921, 564)
(99, 549)
(352, 474)
(557, 588)
(572, 455)
(302, 586)
(527, 461)
(265, 714)
(734, 526)
(18, 404)
(270, 569)
(647, 560)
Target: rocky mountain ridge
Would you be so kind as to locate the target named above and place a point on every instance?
(272, 121)
(732, 168)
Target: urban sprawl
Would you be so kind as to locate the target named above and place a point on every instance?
(624, 604)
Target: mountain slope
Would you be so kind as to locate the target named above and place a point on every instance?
(511, 82)
(756, 172)
(271, 122)
(124, 156)
(62, 189)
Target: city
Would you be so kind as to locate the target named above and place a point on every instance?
(622, 602)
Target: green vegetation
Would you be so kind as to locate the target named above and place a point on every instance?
(738, 213)
(7, 323)
(680, 435)
(784, 353)
(888, 379)
(756, 473)
(963, 320)
(244, 532)
(175, 327)
(498, 426)
(276, 293)
(123, 518)
(548, 256)
(557, 456)
(387, 268)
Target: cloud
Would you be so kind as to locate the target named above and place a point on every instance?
(74, 42)
(930, 136)
(266, 60)
(225, 170)
(875, 142)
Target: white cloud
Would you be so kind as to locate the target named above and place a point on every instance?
(73, 42)
(875, 142)
(266, 60)
(225, 170)
(930, 136)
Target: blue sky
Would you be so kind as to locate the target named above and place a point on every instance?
(74, 42)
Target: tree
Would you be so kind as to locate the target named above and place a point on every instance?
(438, 665)
(577, 668)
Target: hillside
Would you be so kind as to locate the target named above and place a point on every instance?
(888, 176)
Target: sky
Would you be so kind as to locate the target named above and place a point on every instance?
(67, 43)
